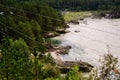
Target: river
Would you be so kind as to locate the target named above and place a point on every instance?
(92, 40)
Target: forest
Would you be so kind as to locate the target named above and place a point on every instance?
(109, 6)
(79, 5)
(29, 21)
(25, 26)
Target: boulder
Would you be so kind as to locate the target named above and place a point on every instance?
(81, 19)
(68, 47)
(76, 31)
(102, 14)
(74, 21)
(67, 26)
(63, 50)
(49, 47)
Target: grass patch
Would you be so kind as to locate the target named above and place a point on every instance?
(68, 16)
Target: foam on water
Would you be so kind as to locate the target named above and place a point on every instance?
(90, 44)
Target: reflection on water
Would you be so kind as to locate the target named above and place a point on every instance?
(90, 43)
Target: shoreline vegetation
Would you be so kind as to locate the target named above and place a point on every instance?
(69, 16)
(74, 17)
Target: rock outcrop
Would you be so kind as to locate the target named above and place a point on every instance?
(66, 66)
(51, 34)
(74, 22)
(63, 50)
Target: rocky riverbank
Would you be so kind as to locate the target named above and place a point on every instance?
(65, 66)
(107, 14)
(58, 49)
(56, 32)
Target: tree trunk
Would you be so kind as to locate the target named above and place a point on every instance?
(7, 76)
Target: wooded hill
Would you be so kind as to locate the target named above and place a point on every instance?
(111, 7)
(78, 5)
(28, 19)
(23, 27)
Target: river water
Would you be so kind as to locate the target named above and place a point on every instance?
(92, 40)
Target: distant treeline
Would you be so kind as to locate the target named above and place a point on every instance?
(78, 5)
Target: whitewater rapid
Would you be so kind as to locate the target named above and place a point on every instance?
(91, 40)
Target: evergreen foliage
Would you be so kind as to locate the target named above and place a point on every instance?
(78, 5)
(30, 20)
(14, 61)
